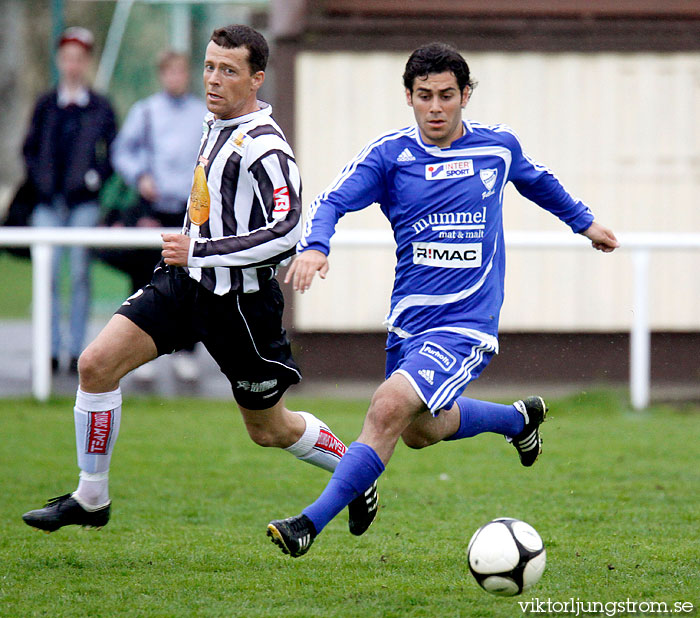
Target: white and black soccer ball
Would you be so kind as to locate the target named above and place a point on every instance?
(506, 556)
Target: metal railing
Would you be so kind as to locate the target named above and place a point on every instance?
(41, 241)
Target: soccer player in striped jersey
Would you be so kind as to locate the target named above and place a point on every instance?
(216, 284)
(440, 183)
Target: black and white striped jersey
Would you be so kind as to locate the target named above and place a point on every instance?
(255, 209)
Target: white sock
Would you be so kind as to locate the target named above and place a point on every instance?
(318, 445)
(97, 419)
(93, 490)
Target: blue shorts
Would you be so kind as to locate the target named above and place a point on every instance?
(438, 364)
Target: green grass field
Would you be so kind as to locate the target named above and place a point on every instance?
(615, 497)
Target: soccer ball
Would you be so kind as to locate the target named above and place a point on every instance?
(506, 556)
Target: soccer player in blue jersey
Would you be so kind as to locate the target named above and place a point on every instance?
(440, 183)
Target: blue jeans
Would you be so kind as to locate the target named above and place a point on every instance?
(58, 214)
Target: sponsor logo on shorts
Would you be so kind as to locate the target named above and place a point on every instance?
(329, 443)
(98, 432)
(427, 374)
(439, 354)
(449, 169)
(256, 387)
(134, 296)
(447, 255)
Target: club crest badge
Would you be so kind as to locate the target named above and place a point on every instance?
(488, 177)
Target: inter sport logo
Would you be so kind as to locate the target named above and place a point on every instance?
(449, 169)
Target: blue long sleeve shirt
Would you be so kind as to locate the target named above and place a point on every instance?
(445, 209)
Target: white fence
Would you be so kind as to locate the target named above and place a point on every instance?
(41, 241)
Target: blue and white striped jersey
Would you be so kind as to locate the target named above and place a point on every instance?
(445, 209)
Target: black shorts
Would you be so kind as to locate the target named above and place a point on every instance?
(242, 332)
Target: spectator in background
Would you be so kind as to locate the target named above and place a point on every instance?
(66, 153)
(154, 152)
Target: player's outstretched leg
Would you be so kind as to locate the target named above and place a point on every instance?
(66, 511)
(357, 472)
(293, 535)
(320, 447)
(362, 510)
(528, 442)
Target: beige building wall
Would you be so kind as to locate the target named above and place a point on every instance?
(622, 132)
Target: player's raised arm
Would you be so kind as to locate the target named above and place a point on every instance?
(602, 238)
(304, 267)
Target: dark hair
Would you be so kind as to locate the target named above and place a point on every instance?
(238, 35)
(437, 58)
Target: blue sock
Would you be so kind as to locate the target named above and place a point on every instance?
(480, 416)
(356, 471)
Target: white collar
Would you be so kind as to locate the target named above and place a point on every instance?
(79, 96)
(216, 123)
(432, 148)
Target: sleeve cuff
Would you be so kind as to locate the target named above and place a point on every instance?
(582, 222)
(190, 252)
(314, 245)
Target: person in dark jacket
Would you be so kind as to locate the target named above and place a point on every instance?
(66, 152)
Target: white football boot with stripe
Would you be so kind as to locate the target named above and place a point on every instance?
(528, 442)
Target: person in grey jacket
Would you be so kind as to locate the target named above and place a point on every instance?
(153, 153)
